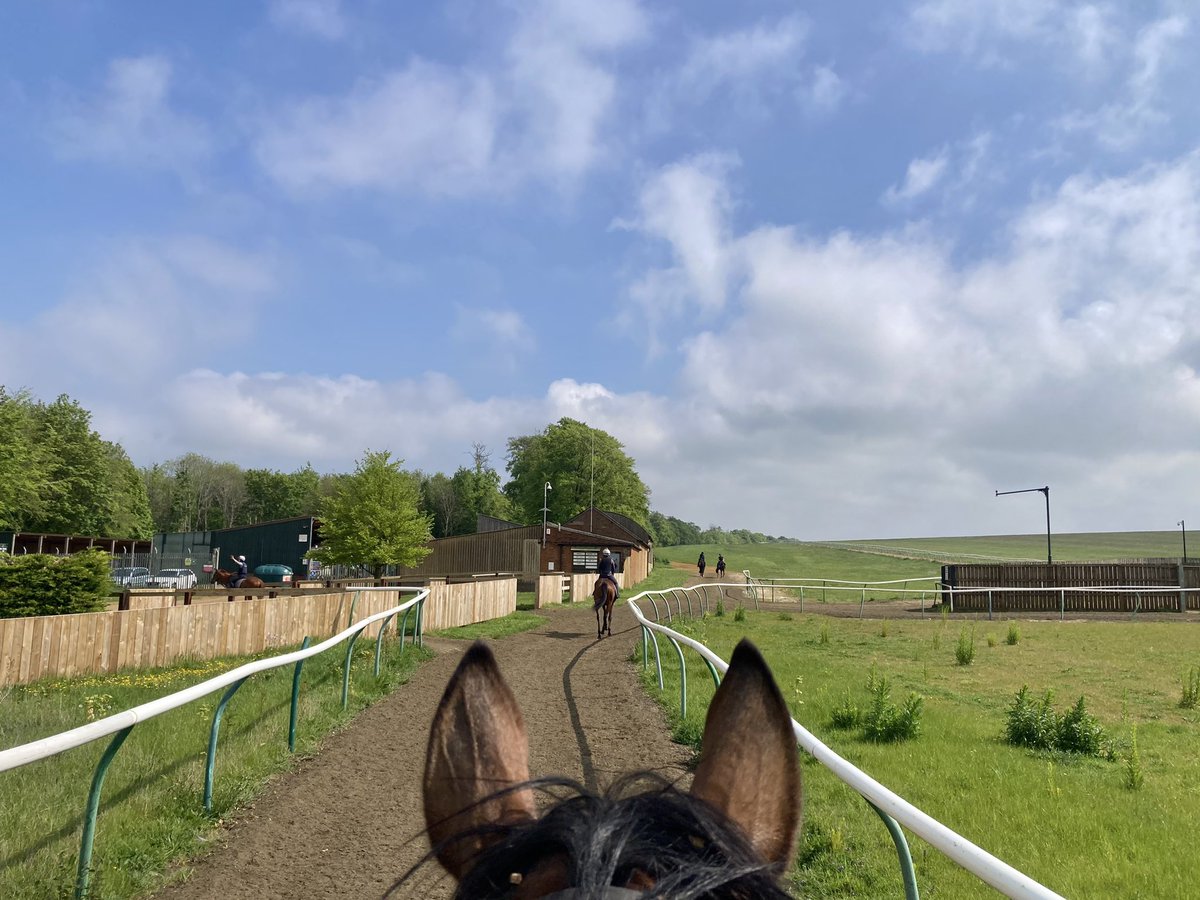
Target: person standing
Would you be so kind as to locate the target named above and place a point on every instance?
(701, 564)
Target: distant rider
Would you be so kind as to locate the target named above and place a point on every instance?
(242, 573)
(608, 569)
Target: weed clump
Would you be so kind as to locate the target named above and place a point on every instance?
(1035, 724)
(1189, 697)
(964, 651)
(883, 722)
(1014, 635)
(846, 714)
(824, 639)
(720, 608)
(1134, 777)
(739, 614)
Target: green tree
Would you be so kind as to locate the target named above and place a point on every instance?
(280, 495)
(129, 504)
(75, 492)
(439, 501)
(21, 463)
(477, 492)
(374, 518)
(582, 465)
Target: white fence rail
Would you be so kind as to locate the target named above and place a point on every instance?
(974, 859)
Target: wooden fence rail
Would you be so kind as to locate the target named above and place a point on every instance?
(86, 643)
(1073, 587)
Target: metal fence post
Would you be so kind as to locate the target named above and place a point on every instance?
(296, 697)
(93, 807)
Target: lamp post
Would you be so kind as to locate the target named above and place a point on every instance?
(545, 509)
(1045, 491)
(1183, 531)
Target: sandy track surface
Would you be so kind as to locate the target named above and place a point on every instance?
(348, 822)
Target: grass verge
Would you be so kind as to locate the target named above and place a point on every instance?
(1069, 821)
(151, 812)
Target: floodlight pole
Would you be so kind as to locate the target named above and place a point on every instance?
(1183, 531)
(545, 509)
(1046, 492)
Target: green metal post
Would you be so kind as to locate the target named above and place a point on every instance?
(404, 629)
(353, 603)
(645, 646)
(379, 642)
(657, 660)
(657, 617)
(682, 678)
(421, 623)
(346, 669)
(296, 697)
(93, 807)
(213, 731)
(712, 670)
(906, 863)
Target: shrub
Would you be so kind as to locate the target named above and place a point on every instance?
(887, 723)
(846, 714)
(991, 639)
(785, 617)
(964, 651)
(1014, 635)
(720, 608)
(883, 629)
(38, 584)
(824, 639)
(1079, 732)
(739, 615)
(1190, 695)
(1036, 725)
(660, 560)
(1030, 723)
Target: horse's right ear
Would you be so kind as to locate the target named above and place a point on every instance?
(477, 746)
(749, 767)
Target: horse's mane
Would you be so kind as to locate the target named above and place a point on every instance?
(642, 823)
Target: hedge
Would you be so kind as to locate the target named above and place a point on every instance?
(38, 584)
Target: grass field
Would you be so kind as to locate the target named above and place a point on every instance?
(1064, 547)
(1067, 821)
(151, 812)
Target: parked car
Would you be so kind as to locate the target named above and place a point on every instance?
(131, 576)
(274, 574)
(176, 579)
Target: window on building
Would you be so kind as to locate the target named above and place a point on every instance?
(585, 559)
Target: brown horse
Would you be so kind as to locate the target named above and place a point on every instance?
(730, 837)
(604, 594)
(225, 579)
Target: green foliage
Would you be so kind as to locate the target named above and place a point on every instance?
(720, 608)
(846, 714)
(1190, 689)
(824, 634)
(374, 519)
(1014, 635)
(991, 640)
(1036, 725)
(739, 614)
(455, 504)
(1134, 776)
(582, 465)
(42, 585)
(964, 650)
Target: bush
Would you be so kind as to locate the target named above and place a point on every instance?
(964, 651)
(739, 614)
(1134, 777)
(1035, 724)
(38, 584)
(846, 714)
(1014, 635)
(885, 722)
(720, 608)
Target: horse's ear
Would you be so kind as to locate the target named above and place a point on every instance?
(749, 768)
(477, 746)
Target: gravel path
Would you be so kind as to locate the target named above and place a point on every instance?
(348, 821)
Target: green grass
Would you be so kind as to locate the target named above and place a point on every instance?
(1070, 822)
(1064, 547)
(151, 813)
(513, 623)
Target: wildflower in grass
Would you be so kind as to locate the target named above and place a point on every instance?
(1190, 695)
(1134, 777)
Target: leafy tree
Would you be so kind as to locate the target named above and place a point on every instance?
(75, 491)
(477, 492)
(440, 502)
(21, 464)
(374, 519)
(280, 495)
(129, 506)
(582, 464)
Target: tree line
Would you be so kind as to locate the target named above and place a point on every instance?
(58, 475)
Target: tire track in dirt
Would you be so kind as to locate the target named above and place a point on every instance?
(348, 822)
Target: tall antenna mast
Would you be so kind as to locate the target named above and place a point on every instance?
(592, 488)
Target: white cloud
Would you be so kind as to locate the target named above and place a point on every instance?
(886, 374)
(743, 57)
(497, 338)
(131, 121)
(460, 130)
(922, 176)
(319, 18)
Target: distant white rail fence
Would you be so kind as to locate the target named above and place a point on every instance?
(924, 553)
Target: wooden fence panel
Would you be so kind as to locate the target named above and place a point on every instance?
(83, 643)
(1045, 584)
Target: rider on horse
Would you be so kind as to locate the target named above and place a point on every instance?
(243, 571)
(608, 569)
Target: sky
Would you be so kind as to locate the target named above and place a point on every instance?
(826, 270)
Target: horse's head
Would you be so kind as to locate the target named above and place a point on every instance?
(221, 576)
(731, 836)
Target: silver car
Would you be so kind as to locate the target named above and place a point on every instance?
(176, 579)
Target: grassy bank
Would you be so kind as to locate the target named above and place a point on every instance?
(1070, 822)
(1065, 547)
(151, 813)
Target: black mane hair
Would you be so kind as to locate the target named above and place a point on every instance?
(642, 823)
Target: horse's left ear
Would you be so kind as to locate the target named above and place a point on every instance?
(749, 767)
(477, 746)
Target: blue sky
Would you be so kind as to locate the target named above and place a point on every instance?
(828, 271)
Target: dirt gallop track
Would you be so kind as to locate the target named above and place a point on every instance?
(347, 823)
